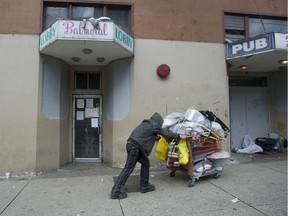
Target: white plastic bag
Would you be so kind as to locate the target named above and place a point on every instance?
(219, 155)
(249, 146)
(194, 115)
(178, 128)
(217, 129)
(172, 119)
(193, 127)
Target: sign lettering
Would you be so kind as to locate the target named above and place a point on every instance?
(123, 38)
(74, 30)
(250, 46)
(48, 35)
(70, 28)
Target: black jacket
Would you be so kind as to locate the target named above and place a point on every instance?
(144, 135)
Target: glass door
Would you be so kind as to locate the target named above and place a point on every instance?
(87, 128)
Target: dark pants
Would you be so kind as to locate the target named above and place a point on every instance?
(134, 155)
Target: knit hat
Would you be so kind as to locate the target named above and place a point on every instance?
(158, 118)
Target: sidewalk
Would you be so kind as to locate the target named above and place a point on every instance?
(247, 186)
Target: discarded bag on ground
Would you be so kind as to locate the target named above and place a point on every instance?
(249, 146)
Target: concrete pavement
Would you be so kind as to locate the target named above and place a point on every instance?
(251, 187)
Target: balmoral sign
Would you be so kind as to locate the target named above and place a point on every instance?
(74, 30)
(259, 44)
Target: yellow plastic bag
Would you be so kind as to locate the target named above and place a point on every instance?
(183, 152)
(161, 149)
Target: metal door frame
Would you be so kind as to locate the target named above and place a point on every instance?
(100, 129)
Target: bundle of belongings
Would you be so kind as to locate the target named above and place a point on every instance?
(272, 143)
(204, 123)
(205, 129)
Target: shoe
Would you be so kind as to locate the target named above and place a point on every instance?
(148, 188)
(118, 195)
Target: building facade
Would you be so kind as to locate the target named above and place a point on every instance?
(78, 76)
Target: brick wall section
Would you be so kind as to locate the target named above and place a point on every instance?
(20, 16)
(197, 20)
(183, 20)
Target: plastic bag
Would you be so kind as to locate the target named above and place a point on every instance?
(193, 127)
(219, 155)
(183, 152)
(217, 129)
(203, 167)
(194, 115)
(161, 149)
(172, 119)
(172, 156)
(249, 146)
(178, 128)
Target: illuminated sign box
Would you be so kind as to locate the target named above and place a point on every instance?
(259, 44)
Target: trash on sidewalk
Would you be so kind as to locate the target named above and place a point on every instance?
(198, 154)
(8, 175)
(272, 143)
(249, 146)
(235, 200)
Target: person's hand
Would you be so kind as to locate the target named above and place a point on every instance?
(183, 136)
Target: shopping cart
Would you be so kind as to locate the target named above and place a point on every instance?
(200, 164)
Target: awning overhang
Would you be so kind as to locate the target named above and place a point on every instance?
(262, 53)
(79, 43)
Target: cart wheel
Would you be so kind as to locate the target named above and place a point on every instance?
(216, 175)
(191, 182)
(172, 173)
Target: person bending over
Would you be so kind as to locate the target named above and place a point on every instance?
(139, 146)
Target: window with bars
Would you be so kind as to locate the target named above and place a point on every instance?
(119, 14)
(238, 27)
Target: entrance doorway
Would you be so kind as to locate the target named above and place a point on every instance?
(87, 128)
(87, 117)
(248, 112)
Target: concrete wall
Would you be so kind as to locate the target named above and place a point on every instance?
(279, 103)
(53, 135)
(117, 102)
(198, 79)
(19, 101)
